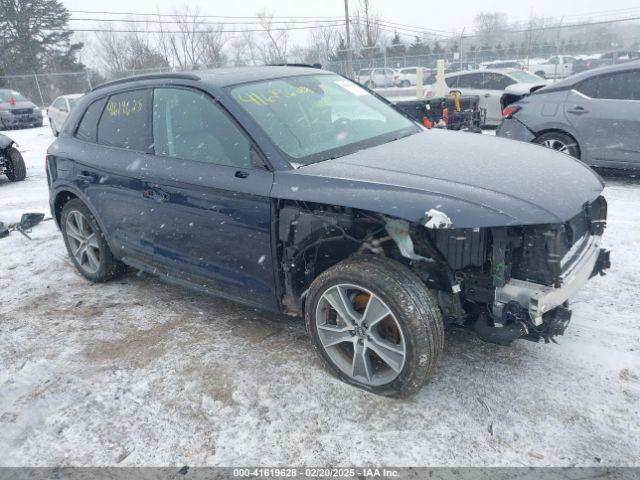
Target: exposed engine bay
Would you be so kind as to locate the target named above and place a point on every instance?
(504, 282)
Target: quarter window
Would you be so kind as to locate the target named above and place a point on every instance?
(88, 128)
(125, 121)
(190, 126)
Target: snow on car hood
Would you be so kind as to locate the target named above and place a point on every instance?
(475, 180)
(524, 88)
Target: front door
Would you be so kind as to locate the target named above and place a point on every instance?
(209, 191)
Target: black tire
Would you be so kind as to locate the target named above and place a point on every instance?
(541, 74)
(414, 307)
(370, 85)
(16, 169)
(53, 128)
(560, 142)
(405, 83)
(108, 266)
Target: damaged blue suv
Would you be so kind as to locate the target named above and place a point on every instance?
(296, 190)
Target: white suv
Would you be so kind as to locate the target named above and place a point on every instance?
(407, 77)
(376, 77)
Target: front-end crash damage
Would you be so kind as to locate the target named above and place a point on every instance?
(506, 282)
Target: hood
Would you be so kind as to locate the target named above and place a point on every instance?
(473, 180)
(18, 105)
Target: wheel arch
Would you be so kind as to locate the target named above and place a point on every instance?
(563, 131)
(312, 237)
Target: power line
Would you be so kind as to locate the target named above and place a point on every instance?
(106, 30)
(194, 21)
(174, 15)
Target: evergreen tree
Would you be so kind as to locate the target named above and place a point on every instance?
(34, 37)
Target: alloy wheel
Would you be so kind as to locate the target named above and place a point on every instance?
(83, 242)
(557, 145)
(360, 334)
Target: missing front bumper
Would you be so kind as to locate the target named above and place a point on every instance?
(539, 299)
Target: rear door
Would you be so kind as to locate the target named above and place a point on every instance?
(209, 191)
(605, 110)
(110, 163)
(493, 85)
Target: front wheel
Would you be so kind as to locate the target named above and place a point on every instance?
(16, 169)
(375, 325)
(561, 142)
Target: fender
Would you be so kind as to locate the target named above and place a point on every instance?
(6, 142)
(72, 189)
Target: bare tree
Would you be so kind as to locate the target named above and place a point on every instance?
(273, 48)
(367, 29)
(490, 28)
(213, 43)
(110, 46)
(322, 45)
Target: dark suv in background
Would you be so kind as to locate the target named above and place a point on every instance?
(296, 190)
(16, 111)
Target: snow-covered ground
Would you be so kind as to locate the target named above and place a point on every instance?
(136, 372)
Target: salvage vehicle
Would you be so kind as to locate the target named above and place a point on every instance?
(377, 77)
(296, 190)
(16, 111)
(11, 161)
(59, 111)
(490, 86)
(593, 116)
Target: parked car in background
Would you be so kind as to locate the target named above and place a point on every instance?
(11, 161)
(377, 77)
(297, 191)
(504, 64)
(558, 66)
(16, 111)
(60, 109)
(609, 58)
(460, 67)
(407, 77)
(489, 85)
(593, 116)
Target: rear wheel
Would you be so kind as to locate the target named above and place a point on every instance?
(375, 325)
(405, 83)
(15, 169)
(370, 84)
(541, 74)
(86, 244)
(559, 141)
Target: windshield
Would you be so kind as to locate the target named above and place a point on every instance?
(317, 117)
(526, 77)
(73, 102)
(5, 96)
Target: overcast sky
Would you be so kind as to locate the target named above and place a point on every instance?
(444, 15)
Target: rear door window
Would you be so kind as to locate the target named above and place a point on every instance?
(126, 121)
(496, 81)
(88, 128)
(472, 80)
(615, 86)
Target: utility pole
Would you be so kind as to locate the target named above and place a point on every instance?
(349, 51)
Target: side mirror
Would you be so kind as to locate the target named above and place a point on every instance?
(29, 220)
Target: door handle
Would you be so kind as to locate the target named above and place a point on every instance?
(155, 194)
(578, 110)
(241, 174)
(85, 177)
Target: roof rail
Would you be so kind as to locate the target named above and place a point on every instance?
(148, 76)
(315, 65)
